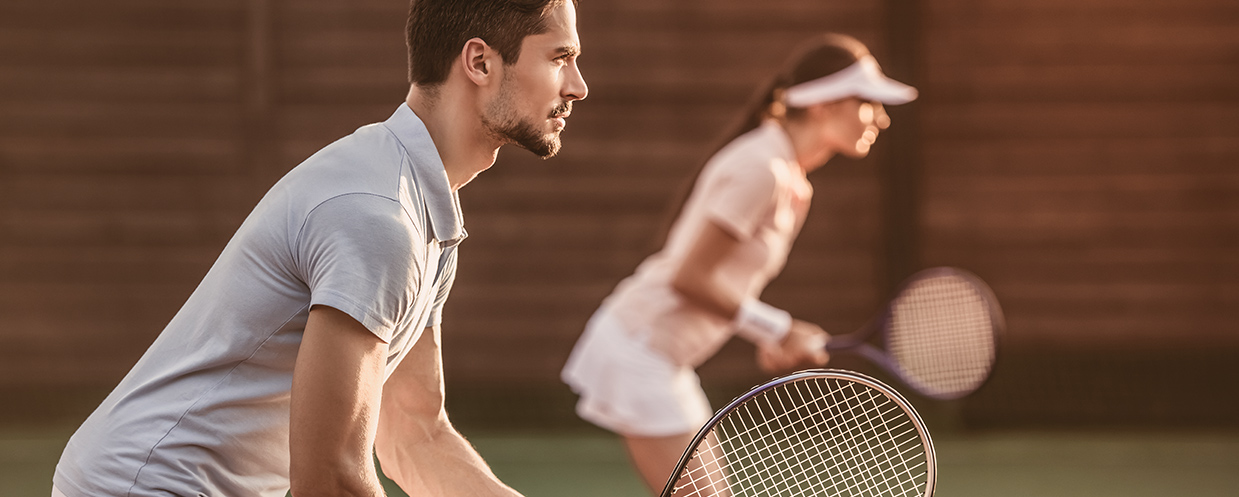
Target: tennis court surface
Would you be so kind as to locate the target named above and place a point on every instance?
(999, 463)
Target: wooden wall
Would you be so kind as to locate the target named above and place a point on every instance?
(1079, 155)
(124, 167)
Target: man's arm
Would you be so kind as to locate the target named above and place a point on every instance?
(336, 392)
(418, 447)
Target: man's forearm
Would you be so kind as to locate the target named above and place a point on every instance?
(436, 460)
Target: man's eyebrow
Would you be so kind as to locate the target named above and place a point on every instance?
(568, 50)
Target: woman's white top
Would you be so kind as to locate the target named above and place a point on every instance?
(754, 189)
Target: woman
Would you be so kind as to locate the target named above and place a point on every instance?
(634, 365)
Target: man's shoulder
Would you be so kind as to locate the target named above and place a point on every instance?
(370, 147)
(368, 161)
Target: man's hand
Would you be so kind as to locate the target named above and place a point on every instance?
(804, 345)
(416, 444)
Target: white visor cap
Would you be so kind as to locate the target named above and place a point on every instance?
(863, 79)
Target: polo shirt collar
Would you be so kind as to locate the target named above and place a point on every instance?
(443, 204)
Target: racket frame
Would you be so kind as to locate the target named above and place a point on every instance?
(931, 461)
(857, 342)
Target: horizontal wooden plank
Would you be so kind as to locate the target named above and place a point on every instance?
(342, 84)
(328, 17)
(120, 154)
(655, 8)
(106, 265)
(1095, 82)
(147, 192)
(972, 37)
(106, 302)
(1057, 120)
(122, 15)
(1186, 190)
(1074, 333)
(58, 370)
(376, 49)
(55, 118)
(220, 84)
(1064, 226)
(1115, 11)
(1120, 7)
(27, 46)
(1067, 157)
(93, 227)
(1113, 264)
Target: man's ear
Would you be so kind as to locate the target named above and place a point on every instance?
(478, 61)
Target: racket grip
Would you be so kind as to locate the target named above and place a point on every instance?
(848, 341)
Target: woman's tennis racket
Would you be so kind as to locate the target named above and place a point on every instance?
(940, 333)
(821, 432)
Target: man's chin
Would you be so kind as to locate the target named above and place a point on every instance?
(545, 148)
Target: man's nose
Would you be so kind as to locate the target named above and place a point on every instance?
(575, 87)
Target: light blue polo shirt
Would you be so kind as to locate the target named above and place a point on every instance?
(367, 225)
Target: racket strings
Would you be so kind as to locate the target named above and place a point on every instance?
(783, 455)
(941, 335)
(856, 451)
(744, 462)
(819, 437)
(853, 451)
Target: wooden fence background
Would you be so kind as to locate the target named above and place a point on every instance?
(1080, 155)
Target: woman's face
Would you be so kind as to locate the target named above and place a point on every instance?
(853, 125)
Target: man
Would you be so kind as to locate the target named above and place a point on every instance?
(314, 339)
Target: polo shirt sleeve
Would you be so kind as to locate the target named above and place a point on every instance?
(355, 252)
(740, 197)
(447, 268)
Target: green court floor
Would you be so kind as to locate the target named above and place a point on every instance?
(1008, 464)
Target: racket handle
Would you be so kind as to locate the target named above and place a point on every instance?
(849, 341)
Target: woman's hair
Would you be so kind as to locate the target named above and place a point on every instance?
(437, 30)
(816, 57)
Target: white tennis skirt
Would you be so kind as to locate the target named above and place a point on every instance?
(630, 389)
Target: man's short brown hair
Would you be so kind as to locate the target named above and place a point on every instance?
(438, 29)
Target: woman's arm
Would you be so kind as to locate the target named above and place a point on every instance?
(416, 444)
(695, 280)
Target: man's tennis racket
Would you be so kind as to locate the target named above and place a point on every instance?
(940, 333)
(821, 432)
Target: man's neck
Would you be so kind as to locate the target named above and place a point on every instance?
(463, 145)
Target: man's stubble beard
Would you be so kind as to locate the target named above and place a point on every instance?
(501, 121)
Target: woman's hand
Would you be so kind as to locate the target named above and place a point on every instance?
(804, 346)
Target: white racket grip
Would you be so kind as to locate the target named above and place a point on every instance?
(761, 323)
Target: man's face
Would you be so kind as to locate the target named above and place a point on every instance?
(536, 93)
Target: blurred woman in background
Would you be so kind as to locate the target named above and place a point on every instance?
(634, 365)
